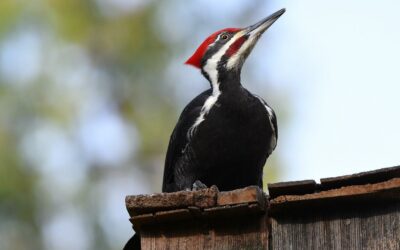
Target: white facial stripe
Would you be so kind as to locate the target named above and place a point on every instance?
(211, 69)
(216, 40)
(212, 63)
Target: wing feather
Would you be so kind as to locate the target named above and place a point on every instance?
(179, 139)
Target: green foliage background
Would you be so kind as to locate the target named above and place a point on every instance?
(90, 56)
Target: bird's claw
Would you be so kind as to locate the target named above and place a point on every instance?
(198, 185)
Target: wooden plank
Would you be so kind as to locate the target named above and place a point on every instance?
(357, 194)
(233, 211)
(140, 204)
(342, 192)
(143, 219)
(172, 215)
(193, 213)
(370, 177)
(143, 204)
(236, 203)
(359, 227)
(291, 188)
(251, 194)
(302, 215)
(235, 233)
(210, 197)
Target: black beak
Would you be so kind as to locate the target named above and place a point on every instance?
(251, 35)
(263, 25)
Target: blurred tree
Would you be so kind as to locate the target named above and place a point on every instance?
(87, 104)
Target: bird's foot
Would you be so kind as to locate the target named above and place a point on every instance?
(198, 185)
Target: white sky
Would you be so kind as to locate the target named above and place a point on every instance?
(339, 62)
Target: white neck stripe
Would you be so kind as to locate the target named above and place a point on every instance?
(211, 69)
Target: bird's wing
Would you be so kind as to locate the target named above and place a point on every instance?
(272, 118)
(180, 139)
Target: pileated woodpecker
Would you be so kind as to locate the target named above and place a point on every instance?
(224, 135)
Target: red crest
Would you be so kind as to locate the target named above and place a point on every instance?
(195, 59)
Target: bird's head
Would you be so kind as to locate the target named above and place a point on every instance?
(227, 49)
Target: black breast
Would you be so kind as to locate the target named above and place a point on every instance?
(228, 149)
(232, 143)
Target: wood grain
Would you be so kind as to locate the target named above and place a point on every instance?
(235, 233)
(362, 227)
(361, 211)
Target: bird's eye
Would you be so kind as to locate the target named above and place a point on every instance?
(224, 36)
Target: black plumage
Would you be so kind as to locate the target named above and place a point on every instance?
(228, 149)
(223, 136)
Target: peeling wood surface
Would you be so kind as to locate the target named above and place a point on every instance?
(310, 186)
(244, 195)
(356, 190)
(383, 192)
(291, 188)
(140, 204)
(370, 177)
(209, 197)
(242, 202)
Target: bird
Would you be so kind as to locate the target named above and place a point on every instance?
(224, 136)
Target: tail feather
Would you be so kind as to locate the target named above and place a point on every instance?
(133, 243)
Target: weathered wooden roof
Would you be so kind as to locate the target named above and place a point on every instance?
(184, 205)
(310, 186)
(381, 184)
(359, 211)
(371, 186)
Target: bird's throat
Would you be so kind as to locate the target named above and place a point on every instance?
(221, 79)
(229, 80)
